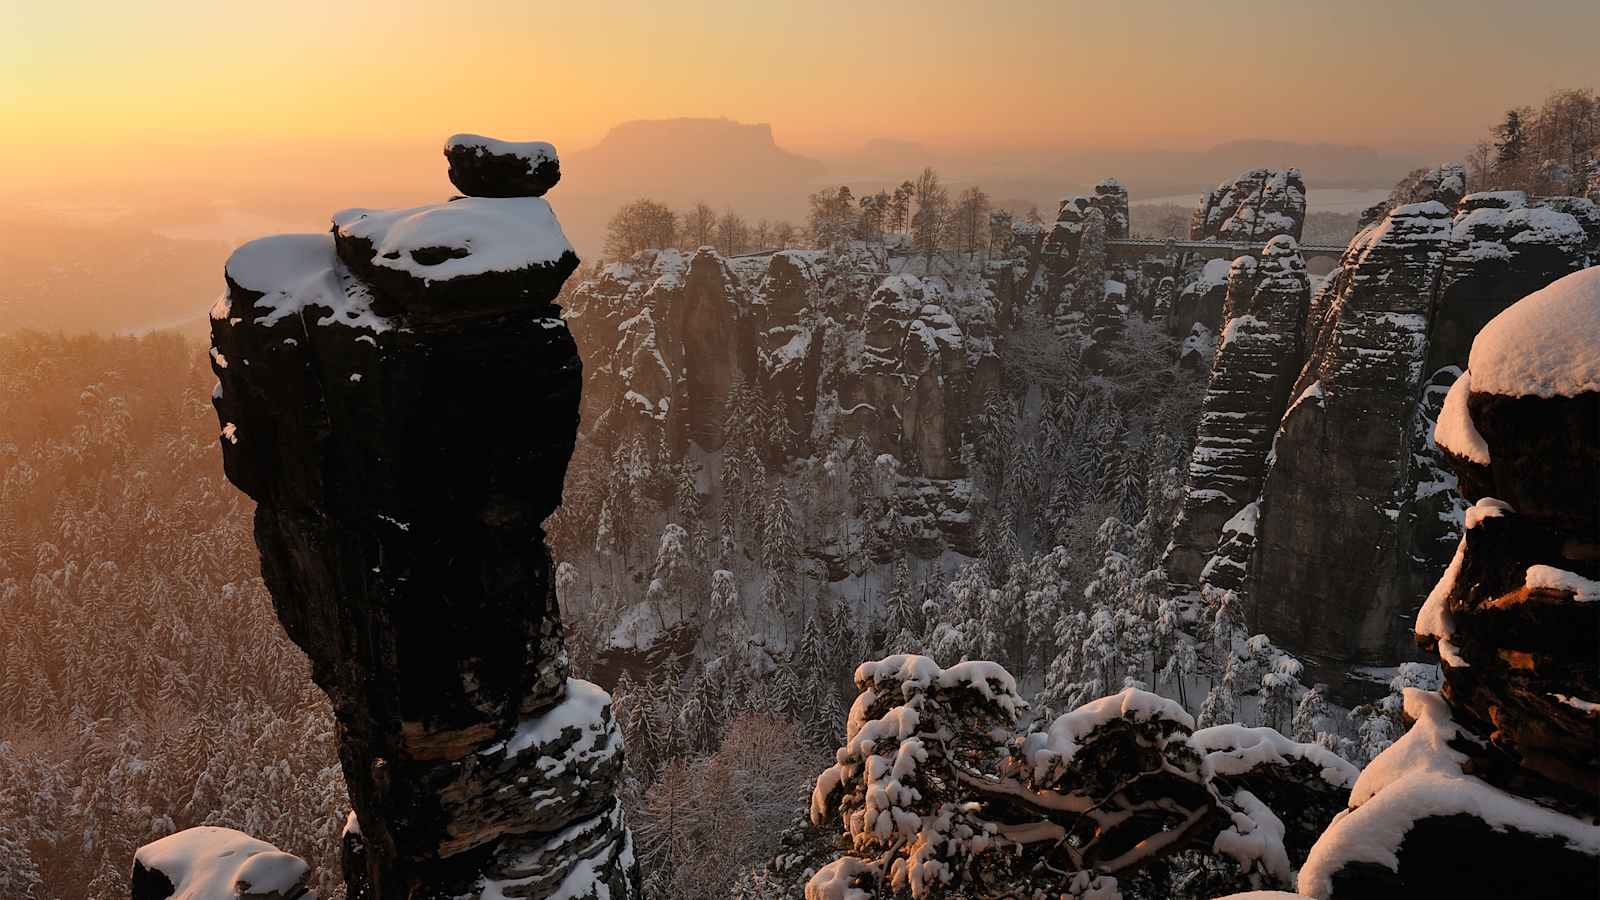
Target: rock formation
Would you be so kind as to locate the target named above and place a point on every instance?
(366, 381)
(831, 343)
(1111, 198)
(1495, 791)
(1256, 363)
(1354, 511)
(1257, 205)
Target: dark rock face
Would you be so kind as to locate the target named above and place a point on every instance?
(1255, 206)
(1323, 508)
(1256, 363)
(399, 511)
(1502, 763)
(1059, 250)
(485, 167)
(1356, 514)
(1501, 249)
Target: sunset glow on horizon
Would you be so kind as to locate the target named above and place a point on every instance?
(190, 89)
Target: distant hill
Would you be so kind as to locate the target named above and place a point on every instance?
(680, 162)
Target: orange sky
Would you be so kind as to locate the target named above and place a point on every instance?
(227, 88)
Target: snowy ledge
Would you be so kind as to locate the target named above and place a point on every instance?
(206, 862)
(1544, 344)
(462, 238)
(292, 273)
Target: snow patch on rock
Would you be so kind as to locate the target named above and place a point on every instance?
(1454, 431)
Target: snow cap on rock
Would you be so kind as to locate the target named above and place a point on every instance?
(1545, 345)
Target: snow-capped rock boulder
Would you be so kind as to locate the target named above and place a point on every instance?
(1255, 206)
(485, 167)
(1200, 302)
(1256, 362)
(403, 419)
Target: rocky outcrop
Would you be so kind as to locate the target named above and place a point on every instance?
(1197, 311)
(1501, 765)
(1059, 249)
(365, 395)
(1355, 514)
(1256, 362)
(1111, 198)
(1255, 206)
(830, 343)
(1329, 497)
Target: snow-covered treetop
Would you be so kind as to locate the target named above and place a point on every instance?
(1060, 742)
(1234, 749)
(1545, 344)
(535, 152)
(913, 674)
(469, 236)
(209, 863)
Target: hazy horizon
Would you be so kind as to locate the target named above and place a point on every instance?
(143, 144)
(187, 93)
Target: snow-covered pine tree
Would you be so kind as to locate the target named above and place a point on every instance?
(1309, 715)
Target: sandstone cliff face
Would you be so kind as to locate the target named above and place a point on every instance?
(366, 385)
(1495, 791)
(1256, 363)
(1356, 513)
(832, 343)
(1255, 206)
(1329, 500)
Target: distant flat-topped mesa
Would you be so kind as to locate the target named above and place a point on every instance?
(400, 398)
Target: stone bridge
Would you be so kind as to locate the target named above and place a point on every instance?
(1134, 248)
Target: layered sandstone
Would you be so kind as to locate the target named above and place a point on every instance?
(1256, 362)
(1356, 512)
